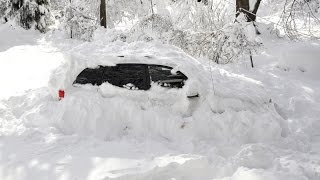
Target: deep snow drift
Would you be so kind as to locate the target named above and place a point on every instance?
(259, 124)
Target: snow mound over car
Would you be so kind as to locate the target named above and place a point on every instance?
(94, 54)
(88, 113)
(221, 122)
(237, 111)
(231, 134)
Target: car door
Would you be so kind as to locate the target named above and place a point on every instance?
(168, 89)
(161, 87)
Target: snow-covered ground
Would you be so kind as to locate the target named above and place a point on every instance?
(257, 124)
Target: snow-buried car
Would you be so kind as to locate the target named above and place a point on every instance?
(100, 102)
(158, 67)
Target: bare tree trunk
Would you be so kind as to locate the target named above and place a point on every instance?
(256, 7)
(251, 59)
(71, 33)
(103, 14)
(204, 1)
(243, 6)
(152, 11)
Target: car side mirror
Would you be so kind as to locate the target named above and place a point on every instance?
(192, 90)
(193, 96)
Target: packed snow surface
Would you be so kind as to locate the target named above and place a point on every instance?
(252, 124)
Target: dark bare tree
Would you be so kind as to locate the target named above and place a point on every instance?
(243, 6)
(203, 1)
(103, 14)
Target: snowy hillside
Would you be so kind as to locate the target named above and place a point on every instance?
(258, 123)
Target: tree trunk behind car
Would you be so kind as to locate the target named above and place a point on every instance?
(103, 14)
(243, 6)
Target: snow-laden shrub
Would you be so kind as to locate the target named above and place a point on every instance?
(58, 8)
(78, 17)
(200, 30)
(81, 17)
(154, 27)
(208, 16)
(226, 45)
(124, 10)
(81, 21)
(4, 5)
(221, 46)
(27, 13)
(299, 18)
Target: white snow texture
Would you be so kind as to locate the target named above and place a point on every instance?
(248, 124)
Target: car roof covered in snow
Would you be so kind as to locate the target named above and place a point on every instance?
(91, 55)
(138, 52)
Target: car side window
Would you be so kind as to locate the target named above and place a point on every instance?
(90, 76)
(163, 76)
(130, 76)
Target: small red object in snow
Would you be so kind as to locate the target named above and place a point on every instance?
(61, 94)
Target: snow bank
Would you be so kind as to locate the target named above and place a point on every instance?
(261, 174)
(250, 124)
(302, 57)
(25, 64)
(110, 113)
